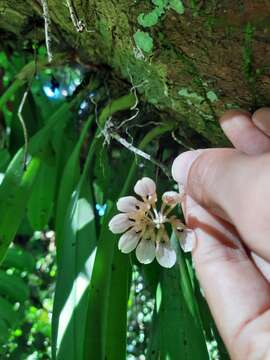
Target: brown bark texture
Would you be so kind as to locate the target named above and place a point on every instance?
(192, 62)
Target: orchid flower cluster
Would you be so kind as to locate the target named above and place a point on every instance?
(144, 227)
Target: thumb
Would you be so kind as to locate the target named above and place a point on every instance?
(233, 186)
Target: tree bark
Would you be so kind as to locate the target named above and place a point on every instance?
(214, 56)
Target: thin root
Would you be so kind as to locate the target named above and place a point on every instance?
(78, 24)
(180, 142)
(47, 25)
(25, 134)
(140, 153)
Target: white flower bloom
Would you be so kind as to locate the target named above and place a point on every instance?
(128, 204)
(128, 241)
(146, 251)
(144, 226)
(120, 223)
(165, 254)
(187, 240)
(145, 188)
(171, 198)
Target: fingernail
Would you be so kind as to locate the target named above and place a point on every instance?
(182, 164)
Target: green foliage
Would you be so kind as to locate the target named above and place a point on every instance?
(50, 209)
(40, 203)
(177, 5)
(211, 96)
(76, 250)
(152, 18)
(148, 20)
(144, 41)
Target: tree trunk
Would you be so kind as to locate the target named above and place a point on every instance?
(190, 62)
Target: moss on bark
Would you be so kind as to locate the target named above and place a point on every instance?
(213, 57)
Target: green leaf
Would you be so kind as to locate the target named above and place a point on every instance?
(148, 20)
(108, 290)
(176, 330)
(42, 197)
(17, 184)
(69, 179)
(7, 312)
(144, 41)
(13, 287)
(118, 299)
(211, 96)
(177, 5)
(19, 258)
(14, 193)
(4, 331)
(4, 159)
(77, 253)
(160, 3)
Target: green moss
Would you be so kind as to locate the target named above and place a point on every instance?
(148, 20)
(152, 18)
(211, 96)
(191, 97)
(143, 40)
(177, 6)
(150, 77)
(190, 105)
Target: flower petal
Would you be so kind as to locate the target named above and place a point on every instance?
(120, 223)
(187, 240)
(128, 204)
(171, 198)
(145, 251)
(165, 254)
(128, 241)
(181, 190)
(145, 187)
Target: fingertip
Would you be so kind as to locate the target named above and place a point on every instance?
(230, 115)
(182, 164)
(233, 121)
(244, 134)
(261, 119)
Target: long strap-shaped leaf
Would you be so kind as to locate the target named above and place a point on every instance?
(68, 330)
(41, 199)
(76, 241)
(176, 330)
(75, 268)
(69, 180)
(17, 184)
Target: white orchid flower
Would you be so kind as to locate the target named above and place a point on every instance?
(143, 226)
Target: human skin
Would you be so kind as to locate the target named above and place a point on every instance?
(228, 206)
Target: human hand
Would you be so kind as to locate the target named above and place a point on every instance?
(228, 206)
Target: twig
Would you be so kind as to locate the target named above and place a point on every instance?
(180, 142)
(139, 152)
(47, 24)
(20, 109)
(133, 90)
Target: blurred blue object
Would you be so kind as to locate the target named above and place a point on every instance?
(101, 209)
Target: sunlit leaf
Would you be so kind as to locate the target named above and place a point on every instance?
(176, 329)
(77, 253)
